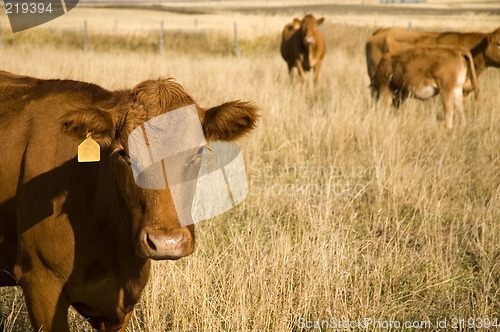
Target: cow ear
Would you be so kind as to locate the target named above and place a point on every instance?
(296, 23)
(320, 21)
(229, 121)
(98, 123)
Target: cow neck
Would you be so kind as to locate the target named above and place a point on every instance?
(311, 55)
(111, 207)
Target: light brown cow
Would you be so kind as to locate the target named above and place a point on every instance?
(82, 234)
(303, 46)
(484, 47)
(423, 72)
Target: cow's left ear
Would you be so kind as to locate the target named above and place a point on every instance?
(229, 121)
(320, 21)
(98, 123)
(296, 23)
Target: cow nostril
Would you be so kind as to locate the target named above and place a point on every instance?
(150, 243)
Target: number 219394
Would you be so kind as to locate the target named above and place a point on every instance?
(28, 8)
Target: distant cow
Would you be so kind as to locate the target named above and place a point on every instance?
(423, 72)
(303, 46)
(484, 47)
(82, 234)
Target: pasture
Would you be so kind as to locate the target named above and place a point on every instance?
(351, 214)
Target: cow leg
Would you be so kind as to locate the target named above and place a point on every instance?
(317, 68)
(47, 306)
(302, 74)
(125, 321)
(7, 279)
(290, 72)
(447, 97)
(458, 99)
(386, 98)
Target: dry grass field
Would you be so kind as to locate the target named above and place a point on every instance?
(351, 214)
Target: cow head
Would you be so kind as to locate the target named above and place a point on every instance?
(291, 28)
(308, 27)
(156, 230)
(492, 52)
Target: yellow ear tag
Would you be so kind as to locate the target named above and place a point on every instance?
(89, 150)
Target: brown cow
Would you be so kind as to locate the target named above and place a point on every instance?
(484, 47)
(303, 46)
(423, 72)
(83, 234)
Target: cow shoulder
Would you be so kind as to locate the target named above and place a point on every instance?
(15, 94)
(7, 79)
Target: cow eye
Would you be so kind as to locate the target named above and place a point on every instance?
(196, 157)
(194, 160)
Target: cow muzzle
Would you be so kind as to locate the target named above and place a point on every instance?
(309, 40)
(161, 244)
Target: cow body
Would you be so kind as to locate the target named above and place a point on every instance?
(484, 47)
(83, 234)
(303, 46)
(423, 72)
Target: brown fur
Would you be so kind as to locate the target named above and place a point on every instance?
(230, 121)
(303, 46)
(80, 234)
(484, 47)
(423, 72)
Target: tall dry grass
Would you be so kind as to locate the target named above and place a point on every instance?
(351, 214)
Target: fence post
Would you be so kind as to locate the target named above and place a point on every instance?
(85, 36)
(161, 37)
(1, 37)
(236, 44)
(409, 25)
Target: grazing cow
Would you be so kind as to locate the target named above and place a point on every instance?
(83, 234)
(484, 47)
(423, 72)
(303, 46)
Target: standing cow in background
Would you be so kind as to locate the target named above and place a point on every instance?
(484, 47)
(303, 46)
(83, 234)
(423, 72)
